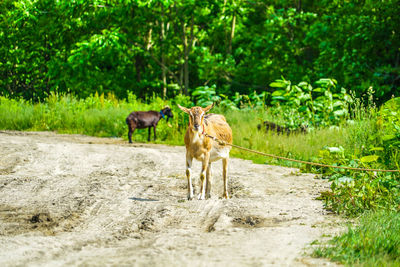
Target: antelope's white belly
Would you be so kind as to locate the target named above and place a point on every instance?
(219, 153)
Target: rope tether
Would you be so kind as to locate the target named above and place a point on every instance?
(223, 143)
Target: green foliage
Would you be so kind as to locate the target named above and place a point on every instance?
(353, 192)
(373, 242)
(320, 106)
(205, 95)
(174, 47)
(390, 122)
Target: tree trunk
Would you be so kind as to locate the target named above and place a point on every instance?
(149, 44)
(163, 74)
(186, 52)
(185, 60)
(181, 81)
(138, 67)
(298, 6)
(232, 33)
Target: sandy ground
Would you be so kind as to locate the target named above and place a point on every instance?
(84, 201)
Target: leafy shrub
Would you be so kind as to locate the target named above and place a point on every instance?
(376, 145)
(205, 95)
(320, 106)
(356, 192)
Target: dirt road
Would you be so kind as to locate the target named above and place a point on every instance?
(77, 200)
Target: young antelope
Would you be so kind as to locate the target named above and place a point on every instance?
(205, 149)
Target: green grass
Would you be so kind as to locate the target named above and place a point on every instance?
(95, 116)
(352, 137)
(104, 116)
(375, 241)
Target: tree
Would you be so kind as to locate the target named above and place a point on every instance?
(169, 47)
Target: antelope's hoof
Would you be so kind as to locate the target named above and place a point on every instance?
(201, 197)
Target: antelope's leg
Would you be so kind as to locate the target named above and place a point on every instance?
(148, 137)
(225, 177)
(189, 161)
(203, 180)
(208, 176)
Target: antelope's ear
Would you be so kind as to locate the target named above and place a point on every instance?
(206, 109)
(183, 109)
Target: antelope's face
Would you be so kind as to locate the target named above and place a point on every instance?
(196, 116)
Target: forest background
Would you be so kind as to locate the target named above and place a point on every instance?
(168, 47)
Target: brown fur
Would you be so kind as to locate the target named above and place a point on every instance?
(205, 149)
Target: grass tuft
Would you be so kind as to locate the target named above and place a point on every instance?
(375, 241)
